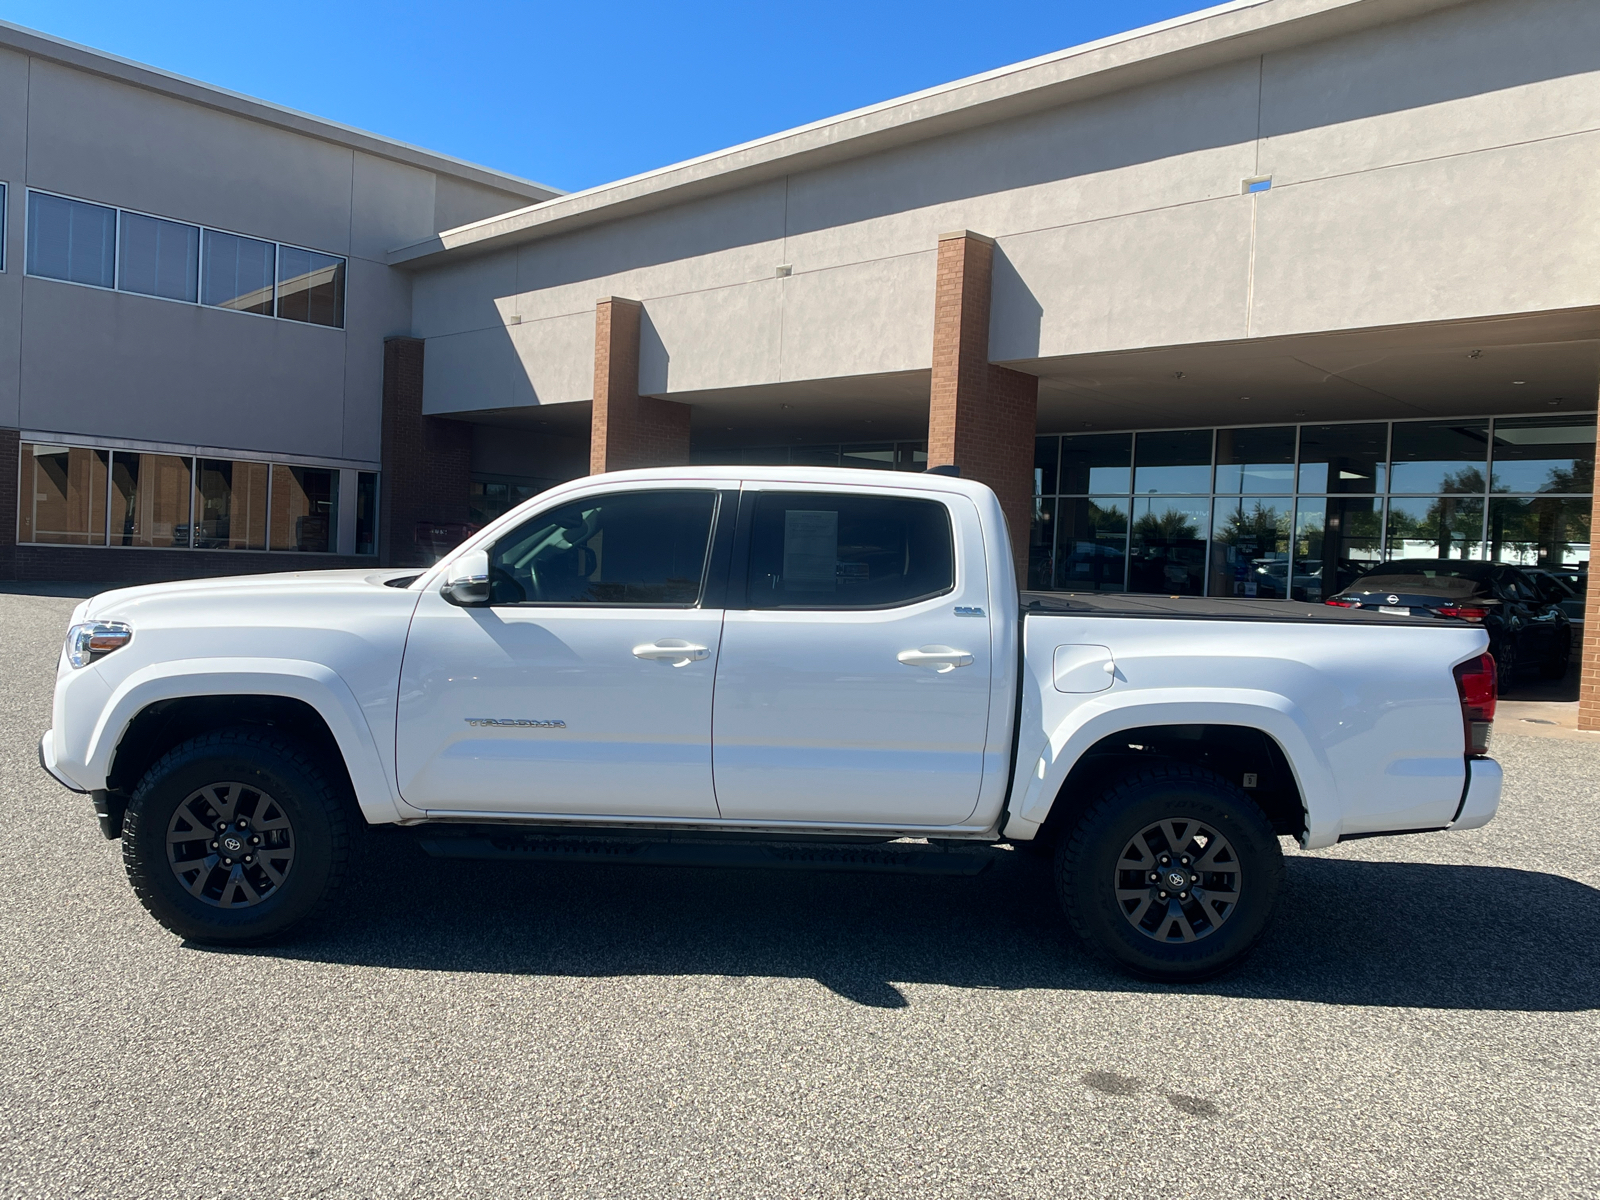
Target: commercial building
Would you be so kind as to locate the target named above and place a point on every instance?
(1229, 305)
(194, 293)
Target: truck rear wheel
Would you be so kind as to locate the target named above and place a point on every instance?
(1172, 873)
(234, 837)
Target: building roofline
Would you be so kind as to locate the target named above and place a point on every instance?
(1188, 43)
(98, 62)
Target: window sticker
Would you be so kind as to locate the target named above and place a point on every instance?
(810, 549)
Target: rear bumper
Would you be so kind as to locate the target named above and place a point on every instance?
(1481, 800)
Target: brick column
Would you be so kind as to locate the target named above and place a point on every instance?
(9, 449)
(1589, 661)
(427, 461)
(981, 418)
(627, 429)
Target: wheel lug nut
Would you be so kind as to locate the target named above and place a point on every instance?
(255, 841)
(249, 858)
(1183, 895)
(1153, 875)
(221, 825)
(1163, 895)
(214, 846)
(227, 862)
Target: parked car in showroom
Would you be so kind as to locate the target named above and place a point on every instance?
(1525, 629)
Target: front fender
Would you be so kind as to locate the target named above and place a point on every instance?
(311, 682)
(1275, 715)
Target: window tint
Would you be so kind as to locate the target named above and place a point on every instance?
(63, 495)
(821, 550)
(238, 273)
(71, 240)
(158, 258)
(230, 505)
(310, 287)
(151, 496)
(304, 509)
(627, 548)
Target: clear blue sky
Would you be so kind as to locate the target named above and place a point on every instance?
(575, 94)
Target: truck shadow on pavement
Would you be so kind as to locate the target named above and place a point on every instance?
(1350, 932)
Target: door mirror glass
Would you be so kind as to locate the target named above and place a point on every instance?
(467, 581)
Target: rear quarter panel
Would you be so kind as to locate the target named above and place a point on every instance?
(1368, 716)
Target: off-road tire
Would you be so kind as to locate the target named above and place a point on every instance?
(1090, 857)
(319, 815)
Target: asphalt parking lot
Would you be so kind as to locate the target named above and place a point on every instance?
(1420, 1022)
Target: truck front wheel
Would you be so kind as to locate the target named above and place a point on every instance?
(235, 836)
(1172, 873)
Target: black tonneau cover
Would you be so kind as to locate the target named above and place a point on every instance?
(1196, 608)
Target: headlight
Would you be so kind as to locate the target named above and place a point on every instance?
(94, 640)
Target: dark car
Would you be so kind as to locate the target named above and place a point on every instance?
(1525, 629)
(1564, 587)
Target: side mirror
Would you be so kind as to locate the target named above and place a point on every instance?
(466, 583)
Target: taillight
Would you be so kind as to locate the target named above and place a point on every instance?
(1337, 603)
(1475, 684)
(1466, 614)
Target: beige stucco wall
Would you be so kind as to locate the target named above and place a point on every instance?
(1439, 168)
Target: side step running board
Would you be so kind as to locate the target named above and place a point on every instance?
(885, 858)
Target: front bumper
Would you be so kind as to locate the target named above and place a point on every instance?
(1481, 800)
(47, 760)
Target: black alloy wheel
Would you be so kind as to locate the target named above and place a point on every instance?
(234, 837)
(1172, 873)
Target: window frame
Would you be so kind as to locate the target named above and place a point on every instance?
(738, 585)
(5, 223)
(200, 262)
(713, 567)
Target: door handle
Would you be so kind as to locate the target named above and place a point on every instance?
(941, 658)
(674, 650)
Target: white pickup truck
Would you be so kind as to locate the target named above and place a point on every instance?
(795, 667)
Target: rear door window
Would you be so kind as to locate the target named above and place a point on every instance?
(835, 551)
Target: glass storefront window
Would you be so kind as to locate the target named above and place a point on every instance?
(1172, 462)
(869, 458)
(1095, 463)
(1042, 545)
(1046, 455)
(1540, 531)
(366, 512)
(1255, 461)
(1092, 544)
(1335, 541)
(1167, 547)
(488, 499)
(1544, 454)
(230, 505)
(151, 498)
(1439, 456)
(1343, 458)
(814, 456)
(1435, 527)
(63, 500)
(911, 456)
(304, 512)
(1250, 547)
